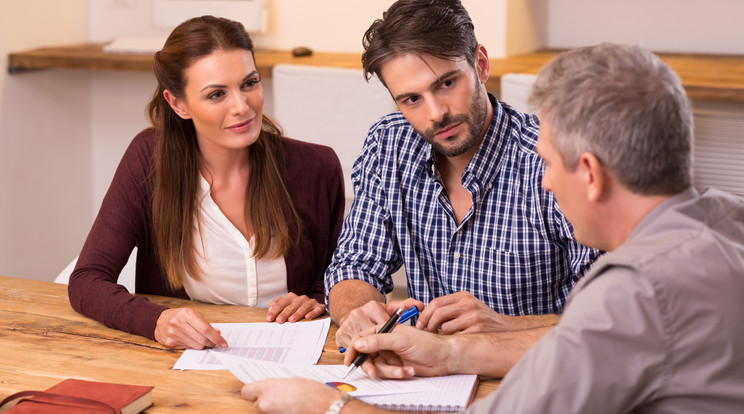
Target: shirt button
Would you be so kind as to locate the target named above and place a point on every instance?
(490, 186)
(457, 255)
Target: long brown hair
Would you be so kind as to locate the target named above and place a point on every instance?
(175, 177)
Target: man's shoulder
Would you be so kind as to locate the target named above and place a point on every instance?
(393, 134)
(393, 122)
(708, 226)
(523, 127)
(716, 209)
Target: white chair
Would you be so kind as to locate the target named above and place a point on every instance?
(126, 277)
(515, 89)
(329, 106)
(333, 107)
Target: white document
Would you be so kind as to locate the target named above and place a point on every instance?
(291, 343)
(453, 394)
(357, 383)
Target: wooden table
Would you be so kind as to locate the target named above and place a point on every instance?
(705, 77)
(42, 341)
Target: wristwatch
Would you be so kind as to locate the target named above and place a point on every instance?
(337, 405)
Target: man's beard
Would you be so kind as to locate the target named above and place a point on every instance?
(475, 119)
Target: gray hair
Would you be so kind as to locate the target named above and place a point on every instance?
(625, 106)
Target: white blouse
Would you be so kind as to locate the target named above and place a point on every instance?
(230, 273)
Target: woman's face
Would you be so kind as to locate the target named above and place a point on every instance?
(224, 98)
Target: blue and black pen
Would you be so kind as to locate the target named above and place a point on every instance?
(404, 317)
(360, 358)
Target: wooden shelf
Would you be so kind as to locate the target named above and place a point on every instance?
(705, 77)
(91, 56)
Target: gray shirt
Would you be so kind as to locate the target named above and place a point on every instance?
(655, 326)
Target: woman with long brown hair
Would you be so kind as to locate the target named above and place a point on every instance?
(220, 206)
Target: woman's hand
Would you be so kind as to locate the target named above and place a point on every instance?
(292, 308)
(184, 328)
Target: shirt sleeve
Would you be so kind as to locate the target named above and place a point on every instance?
(367, 247)
(607, 354)
(119, 226)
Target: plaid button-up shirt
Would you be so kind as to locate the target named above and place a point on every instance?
(514, 249)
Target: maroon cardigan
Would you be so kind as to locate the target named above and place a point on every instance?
(314, 179)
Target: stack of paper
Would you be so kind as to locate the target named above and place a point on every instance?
(293, 343)
(269, 350)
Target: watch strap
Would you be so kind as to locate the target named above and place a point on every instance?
(337, 405)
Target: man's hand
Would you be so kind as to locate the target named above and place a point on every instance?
(370, 314)
(461, 312)
(346, 296)
(299, 396)
(183, 328)
(292, 308)
(290, 396)
(403, 353)
(407, 351)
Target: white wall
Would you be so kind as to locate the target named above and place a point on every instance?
(44, 135)
(293, 23)
(688, 26)
(117, 114)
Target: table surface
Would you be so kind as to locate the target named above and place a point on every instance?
(705, 77)
(44, 341)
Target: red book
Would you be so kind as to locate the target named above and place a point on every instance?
(80, 396)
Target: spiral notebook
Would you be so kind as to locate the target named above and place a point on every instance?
(454, 393)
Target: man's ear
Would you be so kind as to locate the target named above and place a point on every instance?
(482, 64)
(176, 104)
(592, 175)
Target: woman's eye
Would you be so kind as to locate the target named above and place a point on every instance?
(251, 83)
(215, 95)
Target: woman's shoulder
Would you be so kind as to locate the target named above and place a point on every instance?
(296, 145)
(141, 147)
(144, 140)
(137, 159)
(306, 162)
(308, 153)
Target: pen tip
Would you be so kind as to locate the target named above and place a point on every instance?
(348, 370)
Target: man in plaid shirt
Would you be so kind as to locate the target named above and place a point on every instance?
(450, 188)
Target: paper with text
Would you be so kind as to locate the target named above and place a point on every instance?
(292, 343)
(248, 371)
